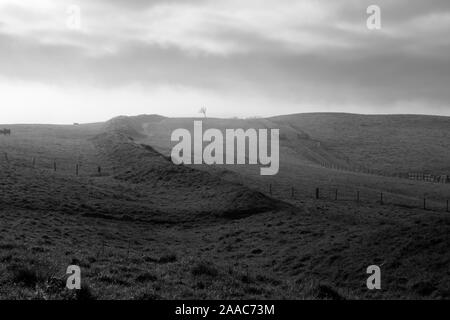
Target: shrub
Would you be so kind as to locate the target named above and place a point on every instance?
(205, 268)
(27, 276)
(168, 258)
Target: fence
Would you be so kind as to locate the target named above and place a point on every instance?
(57, 165)
(360, 196)
(324, 193)
(410, 175)
(428, 177)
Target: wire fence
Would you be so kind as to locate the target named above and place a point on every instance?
(419, 176)
(61, 165)
(363, 196)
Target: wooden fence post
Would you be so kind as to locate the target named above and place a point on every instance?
(100, 253)
(128, 250)
(99, 170)
(317, 193)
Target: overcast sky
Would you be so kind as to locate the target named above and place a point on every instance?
(235, 57)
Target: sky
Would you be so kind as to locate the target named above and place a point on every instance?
(90, 60)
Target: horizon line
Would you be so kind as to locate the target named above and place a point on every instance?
(228, 118)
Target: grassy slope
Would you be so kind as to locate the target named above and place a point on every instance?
(319, 249)
(300, 154)
(381, 142)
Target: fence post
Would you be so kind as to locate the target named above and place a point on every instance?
(317, 193)
(381, 197)
(100, 253)
(99, 170)
(128, 250)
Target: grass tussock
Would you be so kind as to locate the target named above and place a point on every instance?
(204, 268)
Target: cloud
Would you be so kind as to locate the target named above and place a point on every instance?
(289, 53)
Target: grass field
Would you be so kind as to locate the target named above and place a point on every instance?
(381, 142)
(143, 228)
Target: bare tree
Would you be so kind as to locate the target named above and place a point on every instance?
(203, 111)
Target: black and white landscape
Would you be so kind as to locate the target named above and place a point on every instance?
(91, 93)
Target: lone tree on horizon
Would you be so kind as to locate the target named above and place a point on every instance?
(203, 111)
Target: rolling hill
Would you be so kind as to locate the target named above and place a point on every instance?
(376, 143)
(142, 228)
(384, 143)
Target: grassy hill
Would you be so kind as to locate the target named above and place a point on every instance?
(379, 144)
(383, 143)
(124, 165)
(308, 141)
(143, 228)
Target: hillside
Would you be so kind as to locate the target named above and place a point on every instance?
(311, 153)
(378, 144)
(143, 228)
(393, 144)
(111, 192)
